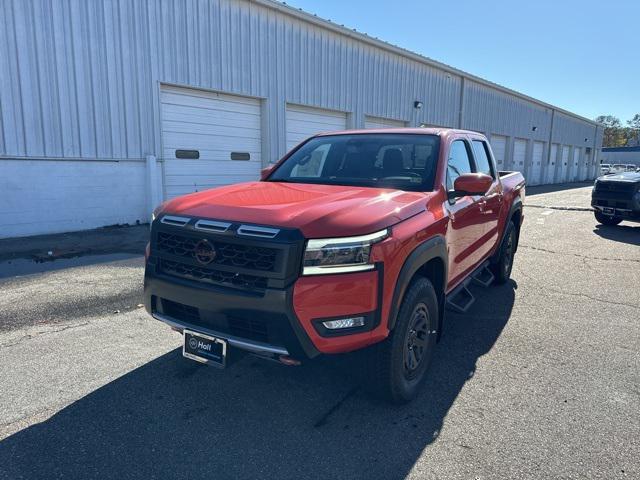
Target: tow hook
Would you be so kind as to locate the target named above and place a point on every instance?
(287, 360)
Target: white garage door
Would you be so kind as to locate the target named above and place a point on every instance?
(551, 164)
(575, 172)
(536, 163)
(223, 131)
(564, 165)
(378, 122)
(519, 155)
(586, 167)
(499, 147)
(303, 122)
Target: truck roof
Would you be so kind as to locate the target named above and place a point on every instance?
(415, 130)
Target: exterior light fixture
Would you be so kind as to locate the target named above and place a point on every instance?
(534, 128)
(417, 104)
(344, 323)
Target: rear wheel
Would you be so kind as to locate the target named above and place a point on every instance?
(398, 365)
(606, 219)
(502, 267)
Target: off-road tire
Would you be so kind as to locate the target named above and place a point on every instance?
(389, 374)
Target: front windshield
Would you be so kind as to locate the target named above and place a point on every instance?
(384, 160)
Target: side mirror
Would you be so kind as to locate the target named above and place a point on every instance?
(266, 171)
(471, 184)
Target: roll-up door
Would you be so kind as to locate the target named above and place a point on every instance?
(536, 163)
(208, 139)
(378, 122)
(519, 154)
(499, 148)
(304, 122)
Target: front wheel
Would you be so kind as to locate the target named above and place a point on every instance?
(606, 219)
(399, 364)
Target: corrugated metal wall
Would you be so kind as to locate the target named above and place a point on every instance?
(620, 157)
(80, 79)
(491, 111)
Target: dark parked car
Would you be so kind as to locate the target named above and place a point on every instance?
(616, 198)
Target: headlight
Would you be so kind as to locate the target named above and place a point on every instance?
(340, 255)
(156, 212)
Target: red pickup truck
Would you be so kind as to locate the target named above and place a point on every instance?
(354, 240)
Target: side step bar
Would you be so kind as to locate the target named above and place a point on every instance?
(483, 277)
(461, 298)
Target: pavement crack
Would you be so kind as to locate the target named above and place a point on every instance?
(595, 299)
(570, 209)
(575, 294)
(43, 332)
(325, 417)
(578, 255)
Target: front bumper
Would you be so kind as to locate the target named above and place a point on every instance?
(243, 344)
(275, 321)
(259, 323)
(622, 206)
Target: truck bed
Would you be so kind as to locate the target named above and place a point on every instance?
(511, 179)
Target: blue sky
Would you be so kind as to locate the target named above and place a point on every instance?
(581, 55)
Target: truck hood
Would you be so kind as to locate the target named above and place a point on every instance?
(317, 210)
(632, 177)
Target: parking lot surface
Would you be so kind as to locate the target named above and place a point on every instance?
(541, 379)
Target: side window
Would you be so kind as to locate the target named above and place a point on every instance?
(458, 162)
(480, 153)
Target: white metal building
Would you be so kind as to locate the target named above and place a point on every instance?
(107, 107)
(621, 155)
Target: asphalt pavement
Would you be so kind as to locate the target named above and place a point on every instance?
(541, 379)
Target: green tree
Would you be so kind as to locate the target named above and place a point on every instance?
(634, 123)
(633, 137)
(613, 131)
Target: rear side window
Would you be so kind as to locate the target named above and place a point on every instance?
(481, 155)
(458, 162)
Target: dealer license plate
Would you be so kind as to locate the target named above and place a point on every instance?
(204, 348)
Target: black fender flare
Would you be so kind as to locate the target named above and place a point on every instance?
(435, 247)
(515, 207)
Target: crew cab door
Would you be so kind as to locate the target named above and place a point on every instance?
(491, 202)
(466, 219)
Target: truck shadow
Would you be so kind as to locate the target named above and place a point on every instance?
(619, 233)
(172, 418)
